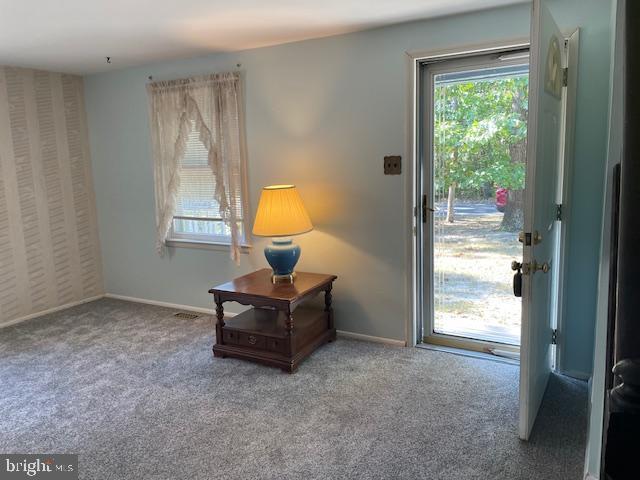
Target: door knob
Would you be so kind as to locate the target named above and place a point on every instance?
(517, 278)
(540, 267)
(532, 267)
(525, 269)
(517, 266)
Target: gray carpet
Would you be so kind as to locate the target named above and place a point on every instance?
(137, 393)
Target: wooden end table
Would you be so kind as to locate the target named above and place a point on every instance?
(278, 330)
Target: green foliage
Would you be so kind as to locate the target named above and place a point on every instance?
(478, 125)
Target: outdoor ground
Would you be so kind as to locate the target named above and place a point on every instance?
(473, 284)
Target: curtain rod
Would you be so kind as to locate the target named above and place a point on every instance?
(150, 77)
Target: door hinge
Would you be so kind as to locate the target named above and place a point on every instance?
(559, 212)
(565, 76)
(554, 336)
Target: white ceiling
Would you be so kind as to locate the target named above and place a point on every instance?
(76, 35)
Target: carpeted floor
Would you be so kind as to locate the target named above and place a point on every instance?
(137, 393)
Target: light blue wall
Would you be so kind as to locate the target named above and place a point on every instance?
(614, 156)
(322, 114)
(593, 17)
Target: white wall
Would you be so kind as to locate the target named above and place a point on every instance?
(322, 114)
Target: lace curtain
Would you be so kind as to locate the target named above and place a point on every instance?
(213, 104)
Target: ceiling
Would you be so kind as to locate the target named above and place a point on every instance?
(76, 35)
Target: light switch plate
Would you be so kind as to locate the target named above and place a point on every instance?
(392, 165)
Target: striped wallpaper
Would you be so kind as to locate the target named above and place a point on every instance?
(49, 248)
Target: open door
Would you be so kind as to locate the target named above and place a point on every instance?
(540, 250)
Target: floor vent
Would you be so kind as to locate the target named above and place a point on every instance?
(186, 316)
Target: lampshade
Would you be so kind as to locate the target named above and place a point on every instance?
(281, 213)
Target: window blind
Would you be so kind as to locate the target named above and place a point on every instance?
(197, 211)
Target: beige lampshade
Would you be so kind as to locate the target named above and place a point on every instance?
(281, 213)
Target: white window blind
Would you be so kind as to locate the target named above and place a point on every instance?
(197, 216)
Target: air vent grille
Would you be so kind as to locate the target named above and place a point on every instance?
(186, 316)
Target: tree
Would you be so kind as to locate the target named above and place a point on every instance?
(480, 132)
(513, 218)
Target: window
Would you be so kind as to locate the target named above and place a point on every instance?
(197, 216)
(209, 108)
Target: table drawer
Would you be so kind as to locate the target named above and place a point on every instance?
(229, 337)
(251, 340)
(277, 345)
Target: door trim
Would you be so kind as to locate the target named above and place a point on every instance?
(414, 228)
(572, 52)
(413, 189)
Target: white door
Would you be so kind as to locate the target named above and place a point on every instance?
(544, 142)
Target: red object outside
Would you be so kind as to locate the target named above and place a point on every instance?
(502, 196)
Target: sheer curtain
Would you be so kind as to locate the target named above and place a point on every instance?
(213, 104)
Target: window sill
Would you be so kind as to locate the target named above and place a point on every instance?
(218, 246)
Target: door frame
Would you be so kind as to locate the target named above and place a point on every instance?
(414, 231)
(572, 42)
(429, 70)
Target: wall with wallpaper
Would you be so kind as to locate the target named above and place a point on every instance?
(49, 249)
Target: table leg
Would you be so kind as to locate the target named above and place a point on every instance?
(328, 297)
(219, 323)
(290, 369)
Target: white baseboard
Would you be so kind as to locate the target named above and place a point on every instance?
(211, 311)
(369, 338)
(175, 306)
(50, 310)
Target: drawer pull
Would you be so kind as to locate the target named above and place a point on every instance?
(253, 340)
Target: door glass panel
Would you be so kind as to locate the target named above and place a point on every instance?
(479, 152)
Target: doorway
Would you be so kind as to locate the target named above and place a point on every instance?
(553, 78)
(474, 169)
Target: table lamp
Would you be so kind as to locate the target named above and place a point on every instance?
(280, 215)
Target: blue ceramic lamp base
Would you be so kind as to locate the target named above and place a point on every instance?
(282, 255)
